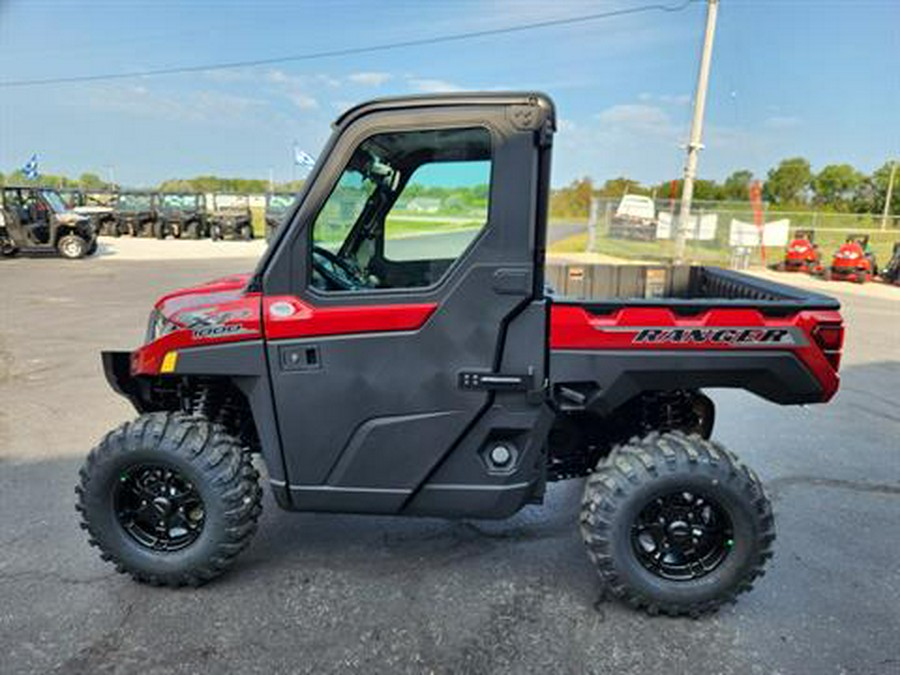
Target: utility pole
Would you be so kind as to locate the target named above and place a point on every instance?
(887, 198)
(695, 143)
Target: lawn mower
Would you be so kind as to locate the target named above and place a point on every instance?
(802, 254)
(853, 261)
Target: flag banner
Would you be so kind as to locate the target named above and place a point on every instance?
(302, 158)
(31, 168)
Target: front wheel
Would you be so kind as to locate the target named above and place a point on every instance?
(72, 246)
(676, 524)
(169, 499)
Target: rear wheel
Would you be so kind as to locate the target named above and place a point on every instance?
(676, 524)
(72, 246)
(246, 232)
(169, 499)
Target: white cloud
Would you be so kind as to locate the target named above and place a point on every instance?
(369, 79)
(277, 76)
(292, 87)
(668, 99)
(781, 122)
(195, 106)
(303, 101)
(637, 118)
(432, 86)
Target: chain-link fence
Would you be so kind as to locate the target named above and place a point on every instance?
(638, 229)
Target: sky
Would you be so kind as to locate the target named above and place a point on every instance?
(789, 77)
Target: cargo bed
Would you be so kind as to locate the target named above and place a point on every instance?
(686, 289)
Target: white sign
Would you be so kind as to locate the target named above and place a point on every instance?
(702, 227)
(747, 234)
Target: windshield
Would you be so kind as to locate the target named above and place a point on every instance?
(176, 202)
(134, 202)
(279, 203)
(54, 200)
(221, 202)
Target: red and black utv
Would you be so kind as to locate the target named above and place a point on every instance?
(853, 261)
(375, 371)
(802, 254)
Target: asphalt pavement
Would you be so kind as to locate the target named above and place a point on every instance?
(320, 593)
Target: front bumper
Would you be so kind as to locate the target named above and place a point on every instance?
(117, 369)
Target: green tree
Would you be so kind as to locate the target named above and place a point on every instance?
(618, 187)
(91, 181)
(836, 185)
(879, 182)
(736, 187)
(573, 200)
(789, 181)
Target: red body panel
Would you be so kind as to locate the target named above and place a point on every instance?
(294, 318)
(575, 327)
(222, 312)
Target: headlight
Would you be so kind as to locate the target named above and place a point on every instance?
(159, 326)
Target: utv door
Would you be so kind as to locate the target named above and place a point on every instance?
(404, 316)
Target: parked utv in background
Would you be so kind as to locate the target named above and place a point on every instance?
(374, 374)
(231, 217)
(36, 221)
(891, 272)
(635, 218)
(182, 214)
(277, 206)
(137, 213)
(99, 207)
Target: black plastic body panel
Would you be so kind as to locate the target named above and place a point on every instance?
(778, 376)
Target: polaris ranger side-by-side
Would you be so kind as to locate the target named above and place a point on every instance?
(378, 372)
(231, 217)
(137, 213)
(36, 221)
(278, 204)
(182, 214)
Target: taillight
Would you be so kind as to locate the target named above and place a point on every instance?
(830, 339)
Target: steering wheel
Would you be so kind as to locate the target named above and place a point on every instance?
(340, 273)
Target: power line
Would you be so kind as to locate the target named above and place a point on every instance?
(349, 51)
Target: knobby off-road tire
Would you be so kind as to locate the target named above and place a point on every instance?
(663, 475)
(210, 462)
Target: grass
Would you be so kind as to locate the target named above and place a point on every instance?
(397, 227)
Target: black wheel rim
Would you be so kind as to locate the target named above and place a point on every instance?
(682, 536)
(158, 507)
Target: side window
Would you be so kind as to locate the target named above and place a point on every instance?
(440, 210)
(406, 207)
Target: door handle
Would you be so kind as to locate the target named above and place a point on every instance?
(299, 357)
(512, 281)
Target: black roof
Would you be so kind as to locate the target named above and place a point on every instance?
(449, 99)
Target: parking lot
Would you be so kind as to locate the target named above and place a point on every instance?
(320, 593)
